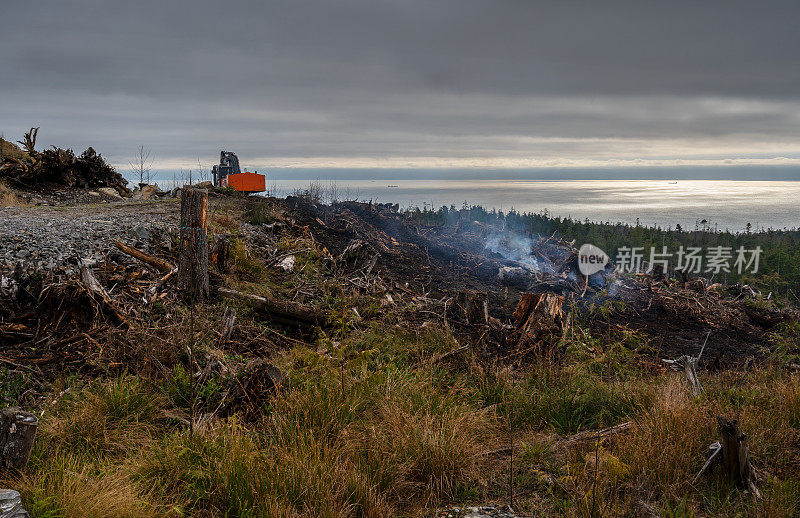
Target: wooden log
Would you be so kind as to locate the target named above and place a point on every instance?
(193, 269)
(17, 433)
(572, 439)
(597, 434)
(285, 312)
(449, 354)
(155, 262)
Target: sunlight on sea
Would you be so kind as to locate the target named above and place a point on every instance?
(724, 204)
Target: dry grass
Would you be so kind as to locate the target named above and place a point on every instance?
(369, 430)
(68, 487)
(9, 198)
(108, 419)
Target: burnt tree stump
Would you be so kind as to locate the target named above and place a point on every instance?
(17, 432)
(193, 269)
(470, 307)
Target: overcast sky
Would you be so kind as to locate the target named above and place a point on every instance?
(408, 83)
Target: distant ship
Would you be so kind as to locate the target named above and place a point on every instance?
(393, 186)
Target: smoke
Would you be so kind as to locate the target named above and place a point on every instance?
(513, 247)
(544, 259)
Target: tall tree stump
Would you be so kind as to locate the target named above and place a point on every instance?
(736, 455)
(17, 432)
(193, 269)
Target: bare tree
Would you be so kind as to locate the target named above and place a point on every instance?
(142, 164)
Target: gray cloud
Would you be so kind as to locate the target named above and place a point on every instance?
(347, 82)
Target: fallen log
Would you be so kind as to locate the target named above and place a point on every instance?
(155, 262)
(596, 434)
(285, 312)
(449, 354)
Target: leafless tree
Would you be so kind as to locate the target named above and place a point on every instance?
(142, 164)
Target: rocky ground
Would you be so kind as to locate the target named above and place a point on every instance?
(45, 237)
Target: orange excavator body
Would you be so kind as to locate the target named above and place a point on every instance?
(245, 182)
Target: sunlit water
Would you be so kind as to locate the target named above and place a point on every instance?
(726, 204)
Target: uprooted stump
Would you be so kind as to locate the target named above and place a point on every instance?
(17, 433)
(688, 364)
(537, 317)
(358, 255)
(74, 304)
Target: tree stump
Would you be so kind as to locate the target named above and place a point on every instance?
(470, 307)
(17, 432)
(193, 269)
(736, 455)
(221, 252)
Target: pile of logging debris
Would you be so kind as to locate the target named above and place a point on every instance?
(59, 167)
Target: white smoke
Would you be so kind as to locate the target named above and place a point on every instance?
(513, 247)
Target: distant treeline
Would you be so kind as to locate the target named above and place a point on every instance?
(779, 268)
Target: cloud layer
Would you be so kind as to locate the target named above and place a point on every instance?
(379, 83)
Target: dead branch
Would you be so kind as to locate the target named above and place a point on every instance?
(30, 141)
(95, 287)
(596, 434)
(155, 262)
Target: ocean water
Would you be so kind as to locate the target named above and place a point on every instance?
(724, 204)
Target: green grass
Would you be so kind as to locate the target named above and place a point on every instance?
(371, 427)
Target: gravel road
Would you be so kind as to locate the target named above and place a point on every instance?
(55, 237)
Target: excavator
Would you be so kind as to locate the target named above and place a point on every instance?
(228, 174)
